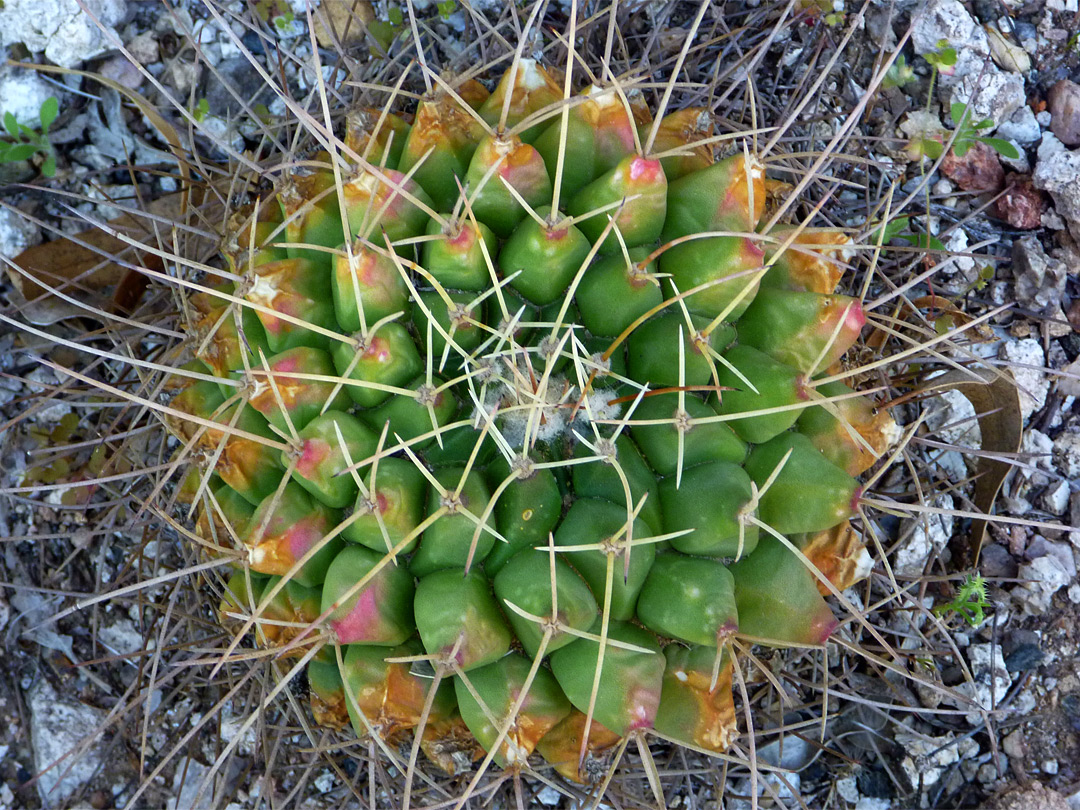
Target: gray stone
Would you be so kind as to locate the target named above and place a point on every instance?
(989, 684)
(58, 724)
(22, 92)
(1067, 454)
(1057, 172)
(992, 93)
(1074, 518)
(995, 562)
(16, 233)
(1064, 104)
(235, 75)
(1040, 279)
(121, 637)
(953, 418)
(1069, 381)
(1056, 498)
(1038, 451)
(926, 758)
(1024, 657)
(61, 28)
(1020, 127)
(926, 534)
(948, 20)
(186, 784)
(1046, 575)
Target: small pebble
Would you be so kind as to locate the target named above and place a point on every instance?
(1021, 204)
(1025, 657)
(1063, 101)
(978, 170)
(995, 562)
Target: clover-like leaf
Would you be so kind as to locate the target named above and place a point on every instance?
(50, 109)
(20, 151)
(1002, 147)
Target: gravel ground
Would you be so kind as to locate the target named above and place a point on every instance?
(84, 677)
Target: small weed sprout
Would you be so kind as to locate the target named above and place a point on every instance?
(25, 142)
(899, 74)
(967, 133)
(970, 602)
(201, 110)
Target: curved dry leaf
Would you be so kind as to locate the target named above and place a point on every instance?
(85, 267)
(343, 21)
(996, 400)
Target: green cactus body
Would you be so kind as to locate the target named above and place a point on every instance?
(561, 747)
(631, 681)
(693, 708)
(810, 493)
(328, 445)
(703, 441)
(513, 412)
(392, 507)
(286, 526)
(528, 509)
(386, 693)
(526, 582)
(456, 610)
(777, 597)
(366, 280)
(380, 613)
(498, 685)
(709, 503)
(806, 330)
(689, 598)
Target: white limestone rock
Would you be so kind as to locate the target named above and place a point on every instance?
(61, 28)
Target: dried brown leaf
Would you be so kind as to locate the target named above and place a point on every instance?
(997, 403)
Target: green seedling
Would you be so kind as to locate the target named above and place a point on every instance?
(25, 143)
(970, 601)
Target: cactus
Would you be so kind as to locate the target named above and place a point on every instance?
(426, 372)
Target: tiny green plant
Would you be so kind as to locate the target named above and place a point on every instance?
(201, 110)
(970, 601)
(446, 8)
(899, 228)
(384, 32)
(943, 60)
(967, 133)
(898, 74)
(25, 142)
(284, 21)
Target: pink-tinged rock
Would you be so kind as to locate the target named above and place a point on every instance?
(978, 170)
(1021, 204)
(1063, 102)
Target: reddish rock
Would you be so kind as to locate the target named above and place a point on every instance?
(1064, 105)
(1021, 204)
(978, 170)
